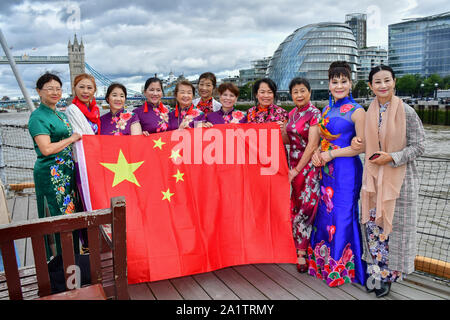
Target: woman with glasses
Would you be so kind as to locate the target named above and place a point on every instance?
(54, 175)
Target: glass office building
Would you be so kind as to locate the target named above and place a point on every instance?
(308, 52)
(358, 24)
(368, 58)
(421, 46)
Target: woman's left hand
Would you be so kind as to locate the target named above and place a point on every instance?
(292, 174)
(325, 157)
(383, 159)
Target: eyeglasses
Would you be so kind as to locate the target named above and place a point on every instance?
(51, 89)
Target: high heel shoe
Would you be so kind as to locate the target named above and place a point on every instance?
(303, 267)
(384, 290)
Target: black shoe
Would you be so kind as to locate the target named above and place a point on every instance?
(384, 290)
(369, 290)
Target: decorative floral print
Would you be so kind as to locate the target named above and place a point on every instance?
(323, 266)
(163, 113)
(346, 108)
(120, 121)
(273, 113)
(379, 250)
(205, 106)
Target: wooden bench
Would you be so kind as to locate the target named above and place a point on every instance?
(108, 268)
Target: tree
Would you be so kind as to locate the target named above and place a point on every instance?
(408, 85)
(245, 92)
(5, 98)
(429, 84)
(360, 89)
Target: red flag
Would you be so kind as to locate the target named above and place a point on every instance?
(197, 200)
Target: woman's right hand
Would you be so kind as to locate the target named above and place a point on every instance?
(357, 143)
(145, 133)
(75, 137)
(316, 159)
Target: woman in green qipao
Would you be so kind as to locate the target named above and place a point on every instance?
(54, 175)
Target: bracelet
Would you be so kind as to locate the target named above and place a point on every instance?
(331, 156)
(295, 168)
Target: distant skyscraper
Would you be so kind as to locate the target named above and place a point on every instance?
(358, 24)
(368, 58)
(421, 46)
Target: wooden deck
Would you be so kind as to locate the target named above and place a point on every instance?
(247, 282)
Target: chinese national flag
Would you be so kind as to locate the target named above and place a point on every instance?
(197, 200)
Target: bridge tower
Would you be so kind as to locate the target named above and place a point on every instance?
(76, 59)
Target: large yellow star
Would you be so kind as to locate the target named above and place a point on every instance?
(158, 143)
(167, 195)
(123, 170)
(175, 155)
(178, 176)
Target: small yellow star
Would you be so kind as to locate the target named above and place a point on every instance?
(158, 143)
(175, 155)
(167, 195)
(178, 176)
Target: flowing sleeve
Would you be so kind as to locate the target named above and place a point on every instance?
(78, 120)
(415, 139)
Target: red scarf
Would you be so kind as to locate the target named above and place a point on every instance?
(205, 106)
(92, 115)
(188, 112)
(161, 107)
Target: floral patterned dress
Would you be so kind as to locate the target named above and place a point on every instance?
(185, 117)
(118, 124)
(54, 176)
(335, 249)
(222, 117)
(273, 113)
(153, 118)
(306, 185)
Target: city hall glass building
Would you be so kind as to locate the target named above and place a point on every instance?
(308, 52)
(421, 46)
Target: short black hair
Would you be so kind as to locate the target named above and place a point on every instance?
(209, 76)
(298, 81)
(112, 86)
(379, 68)
(272, 85)
(151, 80)
(338, 69)
(47, 77)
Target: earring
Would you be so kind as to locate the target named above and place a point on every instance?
(330, 100)
(351, 97)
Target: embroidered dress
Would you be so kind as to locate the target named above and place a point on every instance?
(153, 118)
(205, 106)
(118, 124)
(222, 117)
(335, 248)
(306, 185)
(185, 117)
(273, 113)
(54, 176)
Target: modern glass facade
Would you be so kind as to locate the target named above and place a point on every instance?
(308, 52)
(358, 24)
(421, 46)
(368, 58)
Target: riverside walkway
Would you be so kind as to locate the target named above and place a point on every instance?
(245, 282)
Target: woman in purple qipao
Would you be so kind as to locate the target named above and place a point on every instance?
(228, 94)
(153, 114)
(119, 121)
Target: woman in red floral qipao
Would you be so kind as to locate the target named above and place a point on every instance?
(302, 134)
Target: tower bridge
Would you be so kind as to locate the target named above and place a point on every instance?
(75, 59)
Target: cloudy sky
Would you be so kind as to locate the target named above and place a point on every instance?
(128, 41)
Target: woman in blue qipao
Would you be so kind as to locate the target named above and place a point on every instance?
(335, 250)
